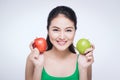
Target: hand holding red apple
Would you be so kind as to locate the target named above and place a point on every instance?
(37, 47)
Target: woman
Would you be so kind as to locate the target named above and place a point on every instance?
(60, 61)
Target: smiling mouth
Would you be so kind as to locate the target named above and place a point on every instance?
(61, 43)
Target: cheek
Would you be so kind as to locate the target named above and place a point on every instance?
(71, 36)
(52, 36)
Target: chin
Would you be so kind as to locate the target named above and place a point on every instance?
(62, 48)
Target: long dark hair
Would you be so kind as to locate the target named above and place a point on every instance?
(69, 13)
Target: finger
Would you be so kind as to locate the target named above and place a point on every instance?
(89, 54)
(41, 57)
(33, 57)
(88, 50)
(93, 46)
(36, 51)
(31, 45)
(90, 59)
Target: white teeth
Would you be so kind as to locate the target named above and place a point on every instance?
(61, 43)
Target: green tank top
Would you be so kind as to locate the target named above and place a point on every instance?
(74, 76)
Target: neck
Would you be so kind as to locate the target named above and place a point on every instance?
(60, 54)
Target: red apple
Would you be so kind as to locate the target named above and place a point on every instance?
(40, 44)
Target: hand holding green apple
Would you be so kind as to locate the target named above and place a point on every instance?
(82, 45)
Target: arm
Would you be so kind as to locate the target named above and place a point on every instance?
(89, 72)
(38, 61)
(29, 70)
(37, 73)
(90, 67)
(83, 74)
(34, 65)
(86, 74)
(85, 65)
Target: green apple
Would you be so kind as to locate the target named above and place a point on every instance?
(82, 45)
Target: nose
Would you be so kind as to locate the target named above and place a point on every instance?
(62, 35)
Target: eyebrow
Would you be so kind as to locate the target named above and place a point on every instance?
(69, 27)
(55, 27)
(65, 28)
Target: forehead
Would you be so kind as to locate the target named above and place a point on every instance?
(61, 21)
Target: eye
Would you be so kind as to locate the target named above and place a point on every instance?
(69, 30)
(55, 30)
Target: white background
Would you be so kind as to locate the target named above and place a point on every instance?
(23, 20)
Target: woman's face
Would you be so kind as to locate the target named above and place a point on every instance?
(61, 32)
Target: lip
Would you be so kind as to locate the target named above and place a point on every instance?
(61, 43)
